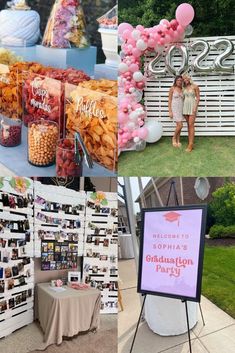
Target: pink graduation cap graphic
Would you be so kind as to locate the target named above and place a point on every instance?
(172, 217)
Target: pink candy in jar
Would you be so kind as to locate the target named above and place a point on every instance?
(10, 132)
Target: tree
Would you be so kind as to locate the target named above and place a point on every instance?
(222, 206)
(212, 18)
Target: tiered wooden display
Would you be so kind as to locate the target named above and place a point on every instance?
(16, 300)
(101, 250)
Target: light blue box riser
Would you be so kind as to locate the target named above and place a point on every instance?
(105, 71)
(28, 53)
(82, 59)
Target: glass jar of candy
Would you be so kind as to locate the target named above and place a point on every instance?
(68, 162)
(42, 141)
(10, 132)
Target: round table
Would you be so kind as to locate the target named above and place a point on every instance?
(167, 316)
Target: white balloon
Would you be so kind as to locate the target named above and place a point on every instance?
(136, 34)
(133, 116)
(138, 76)
(155, 131)
(188, 30)
(122, 67)
(141, 45)
(138, 95)
(164, 22)
(131, 125)
(136, 139)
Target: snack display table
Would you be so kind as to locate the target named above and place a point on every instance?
(19, 163)
(67, 312)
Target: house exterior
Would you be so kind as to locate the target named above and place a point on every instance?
(190, 190)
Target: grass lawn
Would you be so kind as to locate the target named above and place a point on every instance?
(218, 283)
(212, 156)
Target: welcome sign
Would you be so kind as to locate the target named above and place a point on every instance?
(171, 251)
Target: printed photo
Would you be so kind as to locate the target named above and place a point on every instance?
(8, 272)
(97, 241)
(114, 212)
(106, 242)
(11, 303)
(15, 271)
(89, 253)
(97, 208)
(2, 286)
(18, 299)
(105, 210)
(10, 284)
(103, 257)
(3, 306)
(14, 255)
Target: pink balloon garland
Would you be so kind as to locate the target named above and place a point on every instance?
(135, 43)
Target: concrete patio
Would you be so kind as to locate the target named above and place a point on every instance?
(217, 336)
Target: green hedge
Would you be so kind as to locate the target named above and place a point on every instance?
(219, 231)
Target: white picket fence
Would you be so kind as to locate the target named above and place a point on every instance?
(216, 113)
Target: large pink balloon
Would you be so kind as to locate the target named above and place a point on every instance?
(123, 27)
(185, 14)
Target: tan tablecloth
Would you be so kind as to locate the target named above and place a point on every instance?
(67, 313)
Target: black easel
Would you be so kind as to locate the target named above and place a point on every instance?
(172, 189)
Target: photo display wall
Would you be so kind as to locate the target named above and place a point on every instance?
(101, 247)
(16, 254)
(59, 226)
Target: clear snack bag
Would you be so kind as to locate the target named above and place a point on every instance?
(66, 27)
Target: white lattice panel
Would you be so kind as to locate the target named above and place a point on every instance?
(101, 247)
(216, 113)
(16, 261)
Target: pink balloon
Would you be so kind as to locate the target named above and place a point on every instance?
(168, 38)
(131, 41)
(122, 118)
(142, 133)
(126, 34)
(136, 53)
(124, 26)
(174, 24)
(180, 29)
(185, 14)
(134, 133)
(151, 43)
(140, 28)
(140, 85)
(134, 67)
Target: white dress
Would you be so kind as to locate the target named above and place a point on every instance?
(177, 106)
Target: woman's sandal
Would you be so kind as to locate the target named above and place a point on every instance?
(174, 143)
(189, 149)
